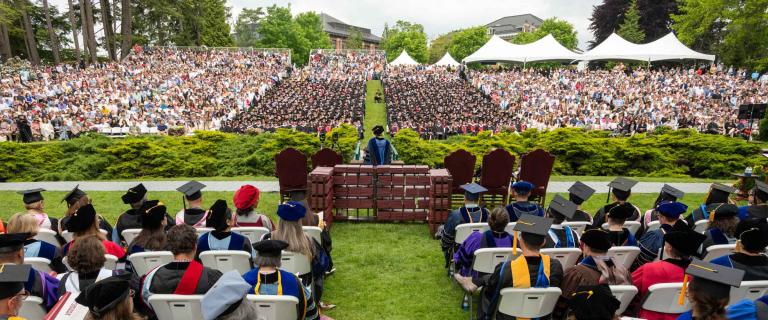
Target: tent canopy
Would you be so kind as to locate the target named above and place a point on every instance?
(495, 50)
(447, 60)
(546, 49)
(670, 48)
(404, 59)
(666, 48)
(616, 48)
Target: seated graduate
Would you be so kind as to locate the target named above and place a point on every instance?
(709, 290)
(750, 250)
(529, 270)
(667, 194)
(595, 268)
(193, 213)
(76, 199)
(718, 194)
(748, 309)
(680, 244)
(620, 190)
(38, 284)
(246, 199)
(594, 302)
(86, 258)
(227, 299)
(722, 226)
(131, 219)
(758, 208)
(152, 217)
(312, 219)
(561, 236)
(111, 298)
(184, 275)
(219, 217)
(616, 216)
(27, 223)
(35, 205)
(668, 214)
(578, 193)
(12, 292)
(268, 279)
(470, 212)
(496, 237)
(84, 222)
(521, 191)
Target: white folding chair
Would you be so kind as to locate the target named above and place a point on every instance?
(663, 298)
(632, 226)
(653, 225)
(49, 236)
(39, 264)
(226, 260)
(528, 303)
(486, 259)
(567, 256)
(510, 228)
(719, 250)
(295, 263)
(313, 232)
(465, 229)
(274, 307)
(701, 226)
(176, 306)
(254, 234)
(32, 308)
(624, 294)
(750, 290)
(144, 261)
(153, 130)
(624, 255)
(201, 231)
(577, 226)
(125, 130)
(111, 263)
(68, 236)
(130, 234)
(144, 130)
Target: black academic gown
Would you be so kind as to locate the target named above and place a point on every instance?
(599, 217)
(103, 224)
(755, 267)
(193, 216)
(167, 278)
(559, 232)
(697, 214)
(130, 220)
(580, 215)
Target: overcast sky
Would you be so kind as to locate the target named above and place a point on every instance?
(437, 16)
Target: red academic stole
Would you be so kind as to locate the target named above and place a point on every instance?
(189, 280)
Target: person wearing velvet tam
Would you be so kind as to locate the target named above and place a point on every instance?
(616, 216)
(496, 237)
(718, 194)
(758, 208)
(38, 284)
(680, 244)
(153, 219)
(667, 194)
(470, 212)
(246, 199)
(35, 205)
(708, 287)
(193, 213)
(594, 302)
(268, 279)
(749, 254)
(379, 149)
(227, 299)
(561, 236)
(131, 219)
(85, 222)
(578, 193)
(521, 191)
(219, 217)
(595, 268)
(12, 292)
(620, 189)
(529, 270)
(722, 226)
(111, 298)
(651, 242)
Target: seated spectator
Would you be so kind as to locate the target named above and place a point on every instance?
(667, 194)
(27, 223)
(750, 250)
(758, 208)
(84, 222)
(86, 258)
(246, 200)
(111, 298)
(75, 199)
(722, 226)
(521, 191)
(38, 284)
(12, 292)
(222, 238)
(668, 214)
(578, 193)
(154, 218)
(469, 212)
(592, 302)
(621, 190)
(35, 205)
(616, 216)
(561, 236)
(226, 300)
(131, 219)
(709, 290)
(496, 237)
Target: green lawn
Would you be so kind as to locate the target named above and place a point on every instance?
(642, 179)
(375, 113)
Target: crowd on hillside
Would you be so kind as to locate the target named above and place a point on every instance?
(153, 88)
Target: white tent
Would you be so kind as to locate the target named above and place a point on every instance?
(404, 59)
(447, 60)
(616, 48)
(545, 49)
(495, 50)
(670, 48)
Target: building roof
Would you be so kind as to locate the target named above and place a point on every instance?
(340, 28)
(511, 24)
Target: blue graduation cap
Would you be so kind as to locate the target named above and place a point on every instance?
(523, 187)
(671, 209)
(473, 190)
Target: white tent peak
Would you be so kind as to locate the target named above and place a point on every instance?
(616, 48)
(447, 60)
(547, 49)
(496, 49)
(404, 59)
(669, 47)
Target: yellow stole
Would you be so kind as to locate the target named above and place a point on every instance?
(521, 277)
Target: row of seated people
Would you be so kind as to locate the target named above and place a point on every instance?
(86, 259)
(676, 242)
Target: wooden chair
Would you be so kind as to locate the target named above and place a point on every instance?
(461, 165)
(291, 171)
(536, 167)
(495, 175)
(326, 158)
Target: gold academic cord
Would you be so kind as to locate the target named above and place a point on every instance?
(279, 284)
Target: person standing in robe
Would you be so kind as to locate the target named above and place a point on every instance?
(379, 149)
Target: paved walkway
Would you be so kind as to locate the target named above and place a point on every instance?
(272, 186)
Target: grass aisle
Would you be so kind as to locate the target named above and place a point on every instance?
(375, 113)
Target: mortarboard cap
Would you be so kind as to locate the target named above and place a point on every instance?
(529, 223)
(719, 193)
(580, 192)
(72, 196)
(684, 239)
(218, 215)
(622, 184)
(671, 209)
(621, 211)
(562, 206)
(291, 211)
(82, 219)
(105, 295)
(12, 241)
(597, 239)
(12, 279)
(191, 190)
(472, 191)
(761, 190)
(712, 279)
(724, 211)
(753, 234)
(523, 187)
(152, 214)
(32, 195)
(134, 194)
(225, 296)
(270, 248)
(670, 193)
(378, 130)
(593, 303)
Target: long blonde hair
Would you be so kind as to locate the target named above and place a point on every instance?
(298, 241)
(23, 222)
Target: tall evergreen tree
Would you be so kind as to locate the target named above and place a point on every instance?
(630, 28)
(214, 31)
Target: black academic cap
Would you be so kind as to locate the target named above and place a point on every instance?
(580, 192)
(135, 194)
(562, 206)
(191, 190)
(12, 279)
(74, 195)
(32, 195)
(152, 214)
(528, 223)
(753, 234)
(684, 239)
(297, 194)
(670, 193)
(82, 219)
(761, 190)
(378, 129)
(12, 241)
(719, 193)
(724, 211)
(713, 279)
(105, 295)
(270, 248)
(597, 239)
(622, 184)
(621, 211)
(593, 303)
(473, 190)
(218, 215)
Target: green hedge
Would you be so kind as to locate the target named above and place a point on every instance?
(205, 154)
(681, 153)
